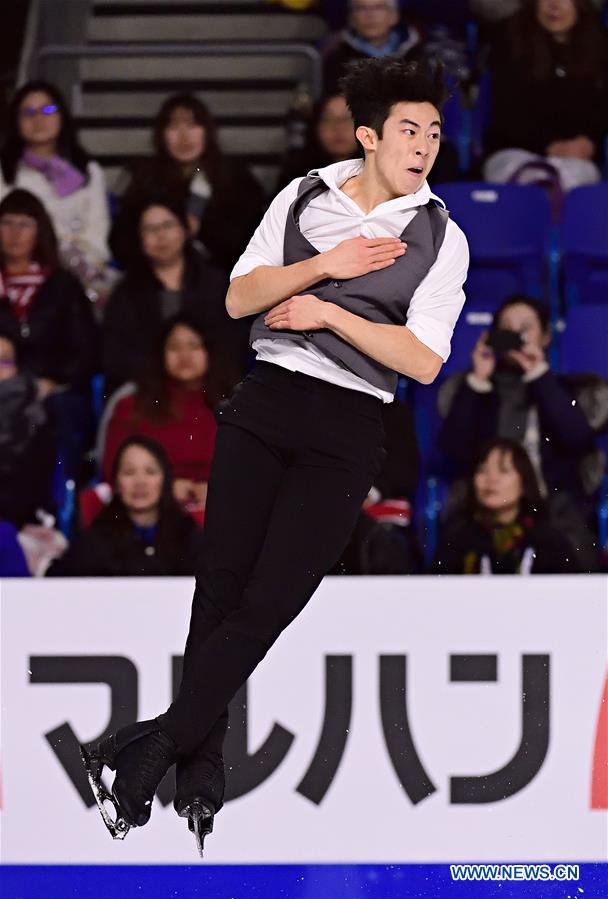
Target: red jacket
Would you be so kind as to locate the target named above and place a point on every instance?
(188, 438)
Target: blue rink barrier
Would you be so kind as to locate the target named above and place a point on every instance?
(281, 882)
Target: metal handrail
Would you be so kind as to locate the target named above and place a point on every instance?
(68, 51)
(29, 40)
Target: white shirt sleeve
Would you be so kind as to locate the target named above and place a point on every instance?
(439, 298)
(266, 245)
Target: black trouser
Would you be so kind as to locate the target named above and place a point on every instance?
(294, 460)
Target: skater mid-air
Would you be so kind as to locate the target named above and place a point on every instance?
(354, 275)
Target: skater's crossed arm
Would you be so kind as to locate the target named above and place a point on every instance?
(268, 285)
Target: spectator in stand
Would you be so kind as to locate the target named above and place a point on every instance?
(167, 276)
(375, 28)
(514, 394)
(549, 108)
(27, 446)
(331, 138)
(142, 531)
(47, 304)
(174, 405)
(503, 528)
(223, 200)
(41, 153)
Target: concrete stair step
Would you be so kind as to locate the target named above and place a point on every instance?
(145, 105)
(198, 67)
(234, 140)
(253, 27)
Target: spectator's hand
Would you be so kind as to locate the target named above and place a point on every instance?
(194, 223)
(528, 357)
(483, 358)
(200, 492)
(360, 255)
(183, 490)
(300, 313)
(580, 147)
(45, 387)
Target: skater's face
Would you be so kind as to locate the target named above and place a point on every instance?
(404, 155)
(335, 129)
(186, 358)
(184, 137)
(8, 360)
(139, 480)
(497, 483)
(39, 120)
(162, 236)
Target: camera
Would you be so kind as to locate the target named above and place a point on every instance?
(502, 340)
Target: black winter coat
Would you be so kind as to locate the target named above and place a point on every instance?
(60, 339)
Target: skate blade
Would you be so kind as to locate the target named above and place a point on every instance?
(200, 823)
(118, 826)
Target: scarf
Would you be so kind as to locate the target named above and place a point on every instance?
(21, 289)
(65, 178)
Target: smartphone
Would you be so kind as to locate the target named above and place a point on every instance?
(501, 340)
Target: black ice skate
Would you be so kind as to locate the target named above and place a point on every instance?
(141, 754)
(200, 793)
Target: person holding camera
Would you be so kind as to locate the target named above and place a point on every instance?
(512, 392)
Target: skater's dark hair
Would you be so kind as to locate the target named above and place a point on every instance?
(373, 86)
(68, 147)
(174, 526)
(152, 399)
(22, 202)
(531, 503)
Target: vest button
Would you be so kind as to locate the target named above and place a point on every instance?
(337, 283)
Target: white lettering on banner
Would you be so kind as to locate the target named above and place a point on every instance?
(397, 720)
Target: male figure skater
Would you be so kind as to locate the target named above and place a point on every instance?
(355, 274)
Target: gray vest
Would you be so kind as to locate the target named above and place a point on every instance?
(382, 296)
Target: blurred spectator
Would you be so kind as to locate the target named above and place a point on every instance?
(502, 529)
(331, 138)
(375, 28)
(173, 405)
(27, 447)
(12, 559)
(142, 531)
(223, 200)
(383, 541)
(58, 335)
(41, 153)
(57, 329)
(496, 10)
(549, 78)
(513, 393)
(167, 276)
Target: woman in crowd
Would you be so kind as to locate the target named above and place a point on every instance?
(549, 77)
(27, 447)
(515, 394)
(502, 529)
(167, 276)
(142, 531)
(173, 404)
(331, 138)
(223, 200)
(41, 153)
(47, 304)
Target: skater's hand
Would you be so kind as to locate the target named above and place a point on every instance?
(360, 255)
(299, 313)
(483, 358)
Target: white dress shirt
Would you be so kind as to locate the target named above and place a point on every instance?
(333, 217)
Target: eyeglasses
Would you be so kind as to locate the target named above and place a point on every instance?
(161, 228)
(29, 112)
(7, 363)
(20, 224)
